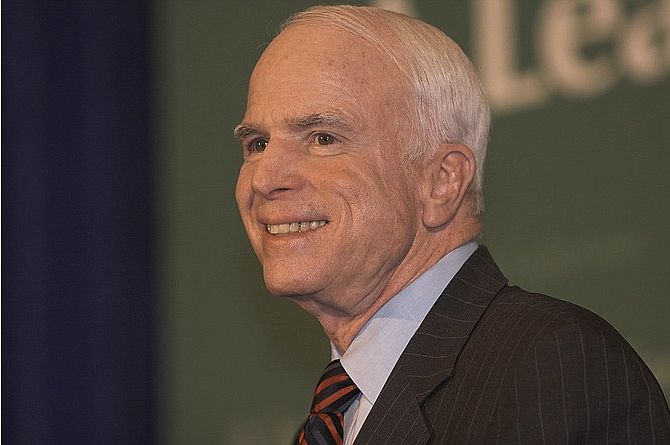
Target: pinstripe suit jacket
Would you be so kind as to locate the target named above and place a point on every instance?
(492, 364)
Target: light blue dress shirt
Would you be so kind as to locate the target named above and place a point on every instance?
(375, 350)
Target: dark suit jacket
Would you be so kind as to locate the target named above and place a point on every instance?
(493, 364)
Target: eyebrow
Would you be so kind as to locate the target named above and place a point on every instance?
(244, 130)
(325, 119)
(322, 119)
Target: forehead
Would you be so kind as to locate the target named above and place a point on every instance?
(310, 67)
(332, 46)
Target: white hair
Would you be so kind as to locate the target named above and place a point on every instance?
(446, 98)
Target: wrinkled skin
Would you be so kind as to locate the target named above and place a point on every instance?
(321, 143)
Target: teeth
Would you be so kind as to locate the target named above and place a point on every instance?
(294, 227)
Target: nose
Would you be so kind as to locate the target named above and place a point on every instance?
(276, 171)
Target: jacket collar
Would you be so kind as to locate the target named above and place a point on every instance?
(430, 356)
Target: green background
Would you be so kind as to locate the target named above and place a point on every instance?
(577, 195)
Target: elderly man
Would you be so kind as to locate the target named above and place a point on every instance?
(364, 140)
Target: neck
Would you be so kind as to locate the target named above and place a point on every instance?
(342, 325)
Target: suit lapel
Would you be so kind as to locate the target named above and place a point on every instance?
(429, 358)
(400, 422)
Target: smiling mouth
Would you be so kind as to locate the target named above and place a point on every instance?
(294, 227)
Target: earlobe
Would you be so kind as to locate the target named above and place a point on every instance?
(449, 175)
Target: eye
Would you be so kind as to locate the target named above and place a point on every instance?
(324, 139)
(258, 145)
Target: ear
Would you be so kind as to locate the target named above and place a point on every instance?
(448, 177)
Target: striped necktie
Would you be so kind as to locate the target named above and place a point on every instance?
(333, 395)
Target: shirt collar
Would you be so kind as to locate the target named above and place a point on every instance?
(376, 348)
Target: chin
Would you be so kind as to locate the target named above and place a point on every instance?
(296, 287)
(283, 285)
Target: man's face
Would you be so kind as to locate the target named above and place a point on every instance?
(328, 207)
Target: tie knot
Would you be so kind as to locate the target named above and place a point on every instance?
(335, 390)
(333, 395)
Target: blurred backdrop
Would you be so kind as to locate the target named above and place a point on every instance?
(133, 308)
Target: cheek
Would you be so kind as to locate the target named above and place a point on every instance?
(244, 196)
(392, 192)
(380, 205)
(243, 192)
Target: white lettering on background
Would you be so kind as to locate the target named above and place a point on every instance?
(645, 48)
(570, 28)
(507, 87)
(583, 48)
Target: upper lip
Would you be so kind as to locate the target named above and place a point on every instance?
(277, 217)
(268, 214)
(274, 221)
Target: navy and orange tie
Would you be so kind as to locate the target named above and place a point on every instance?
(333, 395)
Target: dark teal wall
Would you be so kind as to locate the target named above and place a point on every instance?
(577, 188)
